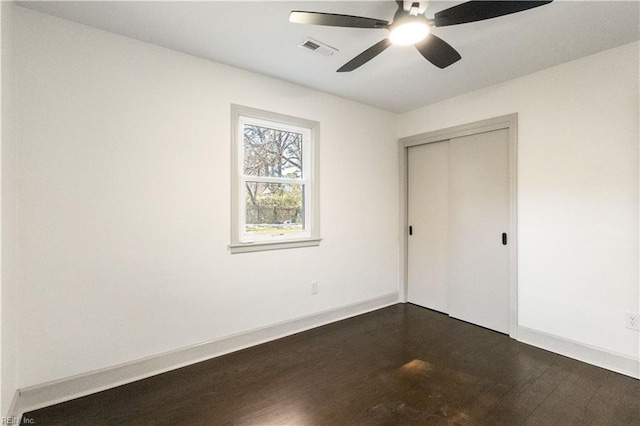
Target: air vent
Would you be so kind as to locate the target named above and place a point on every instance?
(310, 45)
(318, 46)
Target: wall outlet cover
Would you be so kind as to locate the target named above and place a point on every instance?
(632, 321)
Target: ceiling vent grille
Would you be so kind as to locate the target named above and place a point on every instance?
(317, 46)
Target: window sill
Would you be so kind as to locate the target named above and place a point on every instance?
(273, 245)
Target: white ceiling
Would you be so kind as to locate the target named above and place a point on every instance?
(257, 36)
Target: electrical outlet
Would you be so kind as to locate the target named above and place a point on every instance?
(633, 321)
(314, 287)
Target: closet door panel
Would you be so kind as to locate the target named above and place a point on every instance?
(478, 267)
(428, 198)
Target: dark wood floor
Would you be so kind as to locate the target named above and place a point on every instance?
(398, 365)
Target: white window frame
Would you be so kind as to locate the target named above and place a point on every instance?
(241, 241)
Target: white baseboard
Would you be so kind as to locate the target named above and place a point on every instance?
(13, 414)
(613, 361)
(45, 394)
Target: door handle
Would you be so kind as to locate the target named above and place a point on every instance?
(504, 238)
(410, 230)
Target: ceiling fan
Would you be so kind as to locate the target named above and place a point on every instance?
(411, 27)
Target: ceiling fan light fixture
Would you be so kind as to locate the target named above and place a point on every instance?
(409, 33)
(410, 26)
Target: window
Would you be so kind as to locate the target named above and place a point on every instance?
(274, 183)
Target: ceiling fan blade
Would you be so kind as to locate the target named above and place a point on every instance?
(366, 56)
(437, 51)
(473, 11)
(335, 20)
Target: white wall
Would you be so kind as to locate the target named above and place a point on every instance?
(124, 202)
(9, 309)
(577, 191)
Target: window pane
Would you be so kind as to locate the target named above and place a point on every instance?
(272, 152)
(274, 207)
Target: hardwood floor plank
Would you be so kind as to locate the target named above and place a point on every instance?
(399, 365)
(617, 402)
(569, 401)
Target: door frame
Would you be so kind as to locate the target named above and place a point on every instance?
(508, 122)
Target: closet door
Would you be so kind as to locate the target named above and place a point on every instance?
(478, 271)
(428, 195)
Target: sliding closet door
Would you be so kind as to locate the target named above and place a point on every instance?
(478, 216)
(428, 194)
